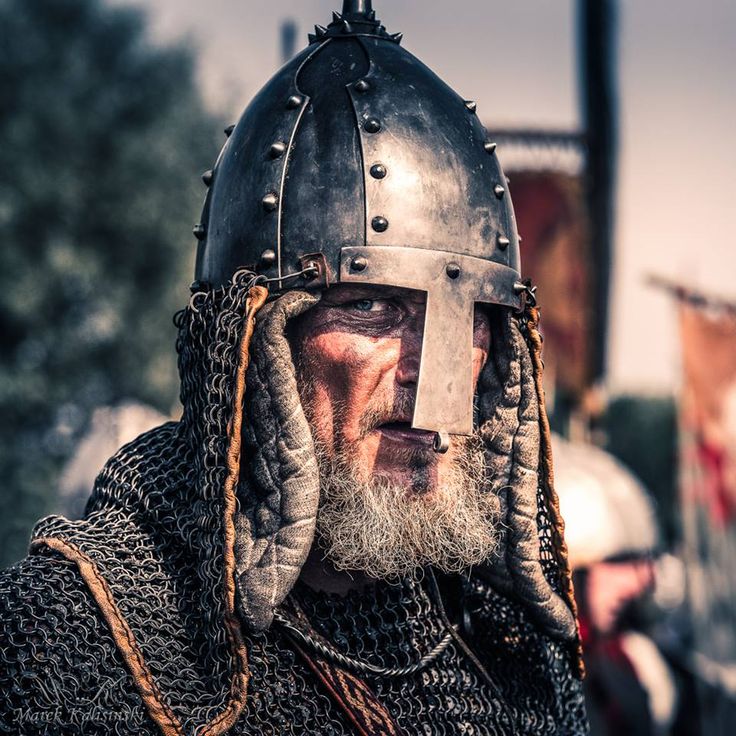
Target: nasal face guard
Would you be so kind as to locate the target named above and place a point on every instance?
(453, 284)
(357, 164)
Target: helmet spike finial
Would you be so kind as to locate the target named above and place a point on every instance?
(356, 19)
(357, 7)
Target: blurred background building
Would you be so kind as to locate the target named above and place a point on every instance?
(615, 124)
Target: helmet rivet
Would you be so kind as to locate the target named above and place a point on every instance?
(441, 442)
(277, 149)
(519, 239)
(293, 102)
(503, 242)
(452, 270)
(199, 231)
(379, 224)
(229, 130)
(270, 201)
(268, 258)
(499, 191)
(359, 263)
(207, 177)
(490, 147)
(378, 171)
(372, 125)
(470, 105)
(310, 271)
(362, 86)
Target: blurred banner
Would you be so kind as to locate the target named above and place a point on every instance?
(546, 174)
(708, 493)
(557, 257)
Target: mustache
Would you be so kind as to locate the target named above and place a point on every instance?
(399, 408)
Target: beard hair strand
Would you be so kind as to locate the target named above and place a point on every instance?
(388, 531)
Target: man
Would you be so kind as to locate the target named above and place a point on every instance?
(337, 537)
(611, 530)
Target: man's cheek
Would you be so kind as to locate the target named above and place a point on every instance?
(321, 417)
(337, 356)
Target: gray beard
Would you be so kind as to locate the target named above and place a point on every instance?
(387, 530)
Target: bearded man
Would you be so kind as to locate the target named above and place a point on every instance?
(352, 529)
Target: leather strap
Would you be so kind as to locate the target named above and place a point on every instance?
(368, 716)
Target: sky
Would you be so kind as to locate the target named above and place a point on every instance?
(677, 106)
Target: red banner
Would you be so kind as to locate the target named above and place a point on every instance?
(556, 255)
(708, 486)
(708, 409)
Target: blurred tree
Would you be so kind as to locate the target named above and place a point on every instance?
(102, 134)
(642, 433)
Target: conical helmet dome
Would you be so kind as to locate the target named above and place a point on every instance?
(354, 142)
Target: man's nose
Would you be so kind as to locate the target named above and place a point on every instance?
(410, 350)
(641, 576)
(646, 573)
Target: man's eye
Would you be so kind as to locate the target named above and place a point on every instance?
(367, 305)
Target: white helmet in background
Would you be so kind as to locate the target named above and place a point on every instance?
(607, 511)
(111, 427)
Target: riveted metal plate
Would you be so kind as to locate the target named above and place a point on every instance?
(438, 190)
(244, 202)
(432, 181)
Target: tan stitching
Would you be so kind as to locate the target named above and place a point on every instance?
(121, 632)
(357, 694)
(239, 686)
(327, 679)
(548, 485)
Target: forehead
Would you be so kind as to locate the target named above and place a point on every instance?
(353, 292)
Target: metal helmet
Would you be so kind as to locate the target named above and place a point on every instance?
(608, 513)
(357, 164)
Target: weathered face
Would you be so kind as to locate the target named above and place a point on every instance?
(389, 504)
(358, 353)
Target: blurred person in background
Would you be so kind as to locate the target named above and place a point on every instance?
(111, 427)
(613, 542)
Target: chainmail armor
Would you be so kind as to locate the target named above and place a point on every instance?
(153, 527)
(153, 533)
